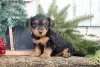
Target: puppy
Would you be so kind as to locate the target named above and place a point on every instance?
(47, 42)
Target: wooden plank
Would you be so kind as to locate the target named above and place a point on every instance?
(11, 38)
(95, 5)
(82, 7)
(19, 52)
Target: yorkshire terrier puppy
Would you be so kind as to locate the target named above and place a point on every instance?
(47, 42)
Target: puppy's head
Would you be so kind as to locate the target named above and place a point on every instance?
(40, 25)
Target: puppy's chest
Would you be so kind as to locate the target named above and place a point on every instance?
(40, 40)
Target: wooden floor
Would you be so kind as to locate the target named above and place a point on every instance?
(19, 52)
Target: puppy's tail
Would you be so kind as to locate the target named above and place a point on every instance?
(78, 53)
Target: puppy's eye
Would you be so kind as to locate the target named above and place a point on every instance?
(35, 25)
(46, 23)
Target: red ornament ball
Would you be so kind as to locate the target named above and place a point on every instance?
(2, 47)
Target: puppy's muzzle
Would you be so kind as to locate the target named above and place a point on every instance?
(40, 30)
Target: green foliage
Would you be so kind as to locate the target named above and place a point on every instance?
(68, 28)
(40, 10)
(96, 58)
(92, 35)
(11, 14)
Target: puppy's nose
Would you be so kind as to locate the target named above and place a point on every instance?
(40, 32)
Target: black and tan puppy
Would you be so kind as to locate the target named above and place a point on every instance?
(46, 41)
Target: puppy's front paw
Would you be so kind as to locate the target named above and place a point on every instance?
(35, 55)
(44, 56)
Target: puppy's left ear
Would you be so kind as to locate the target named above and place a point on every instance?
(51, 24)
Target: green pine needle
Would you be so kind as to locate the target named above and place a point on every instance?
(12, 14)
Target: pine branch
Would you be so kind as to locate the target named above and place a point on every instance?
(81, 18)
(96, 58)
(63, 11)
(14, 11)
(51, 8)
(74, 23)
(40, 10)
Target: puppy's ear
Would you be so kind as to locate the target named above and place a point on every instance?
(51, 24)
(30, 21)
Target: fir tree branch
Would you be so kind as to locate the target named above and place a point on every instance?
(63, 12)
(40, 10)
(81, 18)
(51, 8)
(74, 23)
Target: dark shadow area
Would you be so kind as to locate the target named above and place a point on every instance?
(22, 39)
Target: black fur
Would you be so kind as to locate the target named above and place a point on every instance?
(56, 41)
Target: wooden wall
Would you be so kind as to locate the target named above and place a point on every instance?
(77, 8)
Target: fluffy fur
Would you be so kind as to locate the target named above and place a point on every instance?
(47, 42)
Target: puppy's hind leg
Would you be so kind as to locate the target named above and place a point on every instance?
(65, 53)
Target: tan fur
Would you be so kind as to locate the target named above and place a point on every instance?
(44, 21)
(42, 40)
(46, 53)
(36, 33)
(37, 52)
(65, 53)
